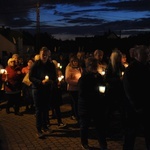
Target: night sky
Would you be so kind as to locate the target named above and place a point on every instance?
(66, 19)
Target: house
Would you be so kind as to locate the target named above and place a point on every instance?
(6, 46)
(10, 41)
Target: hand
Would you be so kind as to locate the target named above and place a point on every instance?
(59, 84)
(18, 72)
(45, 81)
(6, 79)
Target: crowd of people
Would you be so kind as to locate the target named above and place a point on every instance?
(125, 83)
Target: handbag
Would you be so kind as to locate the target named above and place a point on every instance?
(26, 80)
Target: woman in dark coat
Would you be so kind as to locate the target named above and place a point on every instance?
(115, 94)
(91, 104)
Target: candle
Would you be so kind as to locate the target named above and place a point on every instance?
(58, 65)
(3, 71)
(102, 89)
(122, 73)
(103, 73)
(46, 77)
(126, 65)
(60, 78)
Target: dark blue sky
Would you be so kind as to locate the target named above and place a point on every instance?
(66, 19)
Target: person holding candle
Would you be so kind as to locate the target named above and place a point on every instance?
(73, 72)
(13, 86)
(2, 70)
(115, 93)
(43, 77)
(124, 60)
(136, 81)
(26, 87)
(99, 56)
(19, 64)
(57, 101)
(91, 104)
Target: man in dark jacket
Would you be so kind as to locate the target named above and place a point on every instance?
(43, 77)
(136, 81)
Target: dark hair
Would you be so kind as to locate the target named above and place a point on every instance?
(44, 49)
(73, 58)
(92, 63)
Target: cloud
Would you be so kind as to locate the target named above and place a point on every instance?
(70, 17)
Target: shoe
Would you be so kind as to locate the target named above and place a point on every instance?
(48, 124)
(40, 134)
(73, 117)
(103, 149)
(7, 111)
(47, 130)
(85, 147)
(18, 113)
(61, 125)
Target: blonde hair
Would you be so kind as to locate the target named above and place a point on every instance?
(55, 63)
(115, 58)
(98, 51)
(9, 60)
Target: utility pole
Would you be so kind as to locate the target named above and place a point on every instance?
(37, 26)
